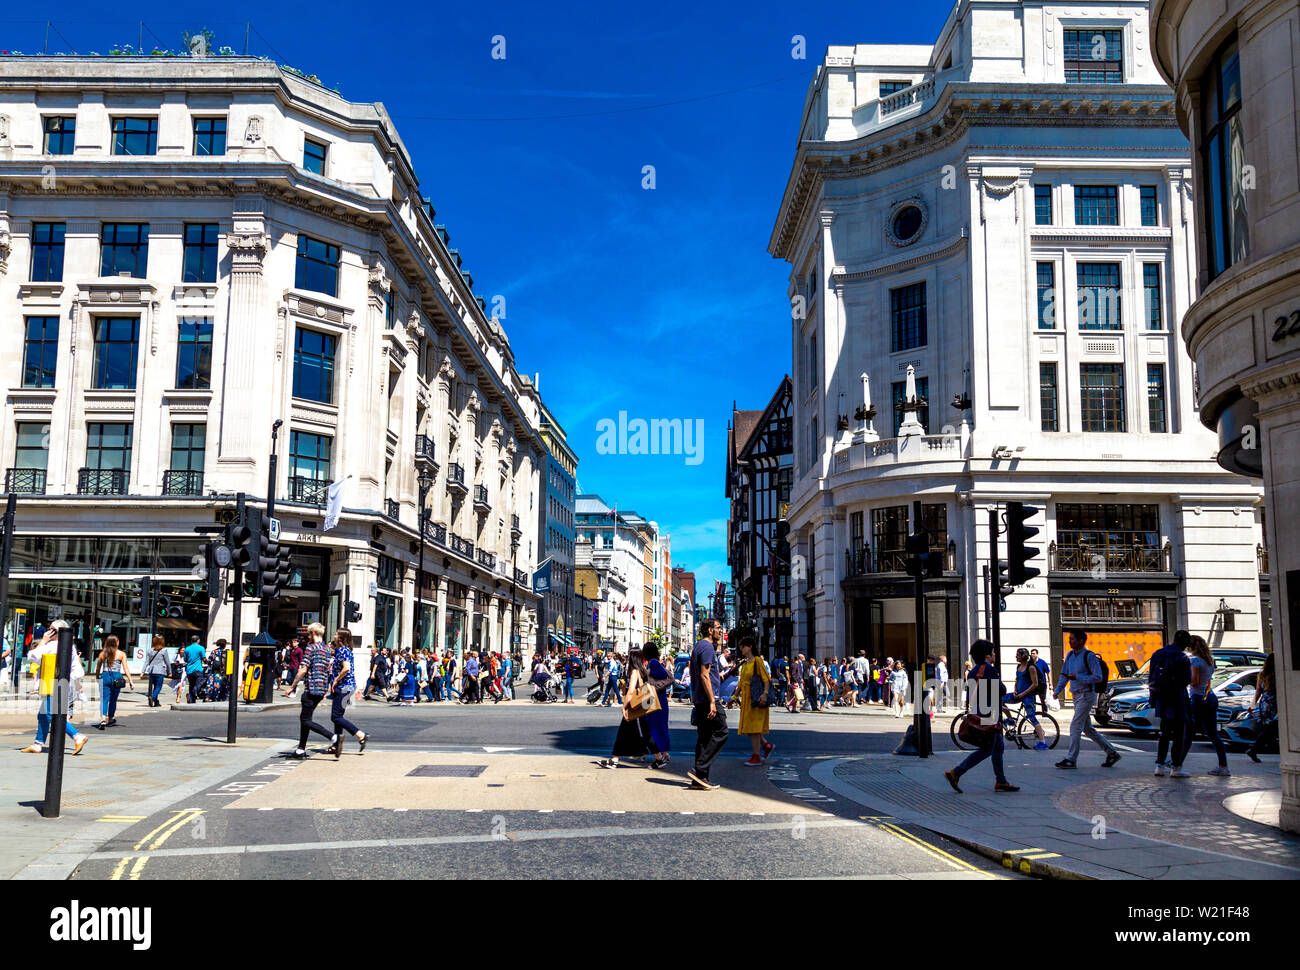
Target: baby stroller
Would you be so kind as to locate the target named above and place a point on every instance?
(545, 689)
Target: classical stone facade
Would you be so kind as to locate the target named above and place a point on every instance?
(197, 249)
(991, 240)
(1235, 67)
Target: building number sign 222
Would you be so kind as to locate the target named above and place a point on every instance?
(1285, 327)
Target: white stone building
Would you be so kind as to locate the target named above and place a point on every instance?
(1004, 219)
(193, 249)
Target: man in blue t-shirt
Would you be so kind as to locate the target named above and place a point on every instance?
(707, 712)
(194, 657)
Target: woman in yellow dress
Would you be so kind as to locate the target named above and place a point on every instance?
(753, 716)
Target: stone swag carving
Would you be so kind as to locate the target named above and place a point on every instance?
(253, 132)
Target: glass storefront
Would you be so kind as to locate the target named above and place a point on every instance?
(428, 626)
(305, 599)
(455, 633)
(388, 621)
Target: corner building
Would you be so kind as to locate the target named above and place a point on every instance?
(195, 248)
(991, 240)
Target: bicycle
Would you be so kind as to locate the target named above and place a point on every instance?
(1017, 729)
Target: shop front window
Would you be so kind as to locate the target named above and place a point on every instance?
(454, 633)
(388, 621)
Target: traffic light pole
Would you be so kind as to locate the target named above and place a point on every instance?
(232, 662)
(988, 607)
(920, 717)
(58, 699)
(995, 624)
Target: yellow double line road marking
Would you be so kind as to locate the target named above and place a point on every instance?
(917, 842)
(159, 835)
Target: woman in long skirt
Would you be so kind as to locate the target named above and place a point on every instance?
(754, 718)
(633, 739)
(410, 681)
(658, 677)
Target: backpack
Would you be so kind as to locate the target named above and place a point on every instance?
(1168, 677)
(1042, 678)
(1100, 688)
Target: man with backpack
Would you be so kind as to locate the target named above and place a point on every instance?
(1086, 675)
(1167, 681)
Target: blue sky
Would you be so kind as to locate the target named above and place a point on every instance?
(662, 303)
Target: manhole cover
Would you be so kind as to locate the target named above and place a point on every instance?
(447, 771)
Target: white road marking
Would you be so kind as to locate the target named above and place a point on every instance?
(272, 809)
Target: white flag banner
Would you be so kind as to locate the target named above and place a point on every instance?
(334, 507)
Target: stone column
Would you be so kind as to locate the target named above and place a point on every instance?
(242, 397)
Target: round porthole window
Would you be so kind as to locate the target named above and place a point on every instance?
(907, 223)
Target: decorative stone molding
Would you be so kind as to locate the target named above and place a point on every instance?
(4, 132)
(473, 403)
(153, 328)
(379, 281)
(999, 187)
(253, 132)
(281, 329)
(247, 251)
(414, 327)
(446, 373)
(895, 209)
(6, 243)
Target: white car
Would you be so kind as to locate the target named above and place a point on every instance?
(1133, 709)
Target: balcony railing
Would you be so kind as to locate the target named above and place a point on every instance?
(1079, 558)
(462, 547)
(481, 497)
(435, 532)
(183, 482)
(102, 481)
(486, 559)
(456, 478)
(25, 481)
(515, 531)
(864, 561)
(1261, 557)
(424, 448)
(521, 577)
(392, 509)
(309, 491)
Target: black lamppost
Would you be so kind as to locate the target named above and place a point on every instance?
(514, 590)
(583, 597)
(425, 481)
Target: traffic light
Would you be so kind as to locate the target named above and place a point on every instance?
(243, 536)
(213, 553)
(1005, 588)
(1018, 554)
(354, 611)
(921, 561)
(268, 564)
(162, 606)
(143, 605)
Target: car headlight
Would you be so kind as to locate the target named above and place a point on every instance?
(1142, 706)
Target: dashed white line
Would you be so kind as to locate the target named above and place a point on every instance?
(266, 809)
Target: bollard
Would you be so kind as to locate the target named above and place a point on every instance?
(58, 701)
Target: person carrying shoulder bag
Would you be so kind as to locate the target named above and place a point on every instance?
(983, 726)
(156, 667)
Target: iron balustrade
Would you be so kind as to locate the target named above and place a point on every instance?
(481, 496)
(1082, 558)
(514, 525)
(392, 509)
(102, 481)
(424, 448)
(1261, 557)
(486, 559)
(521, 578)
(25, 481)
(435, 532)
(462, 547)
(308, 491)
(182, 482)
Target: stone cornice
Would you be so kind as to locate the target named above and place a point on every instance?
(841, 275)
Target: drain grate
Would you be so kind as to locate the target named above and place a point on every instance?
(447, 771)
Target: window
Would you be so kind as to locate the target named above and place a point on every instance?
(1223, 152)
(60, 135)
(32, 449)
(209, 136)
(1046, 296)
(188, 444)
(108, 446)
(1099, 296)
(1150, 211)
(309, 456)
(1158, 422)
(135, 136)
(390, 311)
(1151, 294)
(1093, 57)
(1101, 395)
(200, 262)
(893, 87)
(1042, 205)
(313, 156)
(811, 370)
(194, 353)
(124, 249)
(888, 538)
(1096, 205)
(41, 351)
(922, 413)
(47, 252)
(117, 341)
(313, 366)
(1048, 405)
(318, 266)
(907, 316)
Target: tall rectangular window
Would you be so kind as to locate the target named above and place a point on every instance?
(1156, 410)
(40, 351)
(200, 257)
(1150, 211)
(209, 136)
(313, 366)
(889, 538)
(194, 353)
(189, 441)
(309, 456)
(1099, 296)
(1042, 205)
(33, 448)
(1151, 295)
(124, 249)
(1093, 56)
(60, 134)
(1046, 296)
(108, 446)
(907, 317)
(1223, 154)
(1048, 401)
(313, 156)
(318, 266)
(135, 136)
(47, 252)
(1101, 396)
(117, 344)
(390, 310)
(899, 389)
(1096, 205)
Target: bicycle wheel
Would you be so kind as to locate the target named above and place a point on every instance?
(1051, 730)
(957, 722)
(1023, 734)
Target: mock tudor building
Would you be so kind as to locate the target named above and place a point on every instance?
(194, 251)
(1235, 70)
(991, 241)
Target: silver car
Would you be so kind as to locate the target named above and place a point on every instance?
(1133, 709)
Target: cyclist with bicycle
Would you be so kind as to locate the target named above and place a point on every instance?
(1029, 687)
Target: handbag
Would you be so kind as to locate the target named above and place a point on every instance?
(117, 681)
(757, 688)
(644, 701)
(974, 734)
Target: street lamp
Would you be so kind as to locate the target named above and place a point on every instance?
(425, 482)
(584, 616)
